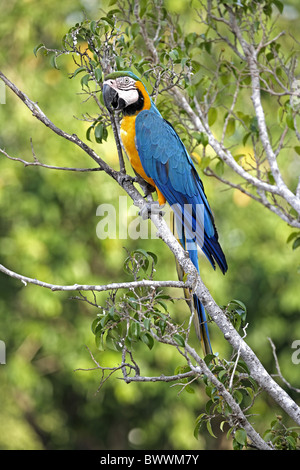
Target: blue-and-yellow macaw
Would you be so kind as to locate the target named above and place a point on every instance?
(158, 155)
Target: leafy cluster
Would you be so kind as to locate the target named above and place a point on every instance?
(140, 314)
(282, 437)
(235, 377)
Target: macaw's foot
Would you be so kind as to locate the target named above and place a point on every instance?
(146, 187)
(150, 208)
(124, 178)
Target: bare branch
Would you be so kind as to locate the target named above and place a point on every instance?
(43, 165)
(98, 288)
(278, 368)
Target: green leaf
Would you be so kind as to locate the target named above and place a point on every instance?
(94, 325)
(111, 313)
(290, 121)
(93, 26)
(204, 162)
(240, 304)
(222, 375)
(134, 331)
(53, 61)
(219, 169)
(200, 419)
(99, 132)
(99, 341)
(119, 63)
(189, 389)
(108, 20)
(238, 396)
(246, 137)
(84, 81)
(98, 74)
(147, 339)
(88, 133)
(77, 71)
(292, 236)
(254, 125)
(209, 428)
(153, 256)
(230, 129)
(209, 358)
(163, 305)
(279, 5)
(204, 139)
(147, 323)
(241, 437)
(292, 443)
(112, 344)
(179, 340)
(142, 251)
(271, 178)
(37, 48)
(135, 29)
(143, 7)
(210, 390)
(296, 243)
(236, 445)
(174, 55)
(212, 116)
(222, 425)
(162, 325)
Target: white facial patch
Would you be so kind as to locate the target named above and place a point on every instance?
(129, 96)
(125, 86)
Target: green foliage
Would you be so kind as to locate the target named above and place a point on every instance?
(139, 314)
(295, 238)
(237, 312)
(282, 437)
(234, 376)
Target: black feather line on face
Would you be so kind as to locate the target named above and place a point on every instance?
(131, 109)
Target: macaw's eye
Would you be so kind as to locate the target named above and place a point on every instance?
(126, 81)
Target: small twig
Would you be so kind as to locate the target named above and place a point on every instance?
(161, 378)
(36, 162)
(237, 359)
(278, 368)
(118, 143)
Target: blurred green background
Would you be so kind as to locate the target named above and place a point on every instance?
(48, 231)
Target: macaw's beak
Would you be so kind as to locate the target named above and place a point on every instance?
(112, 99)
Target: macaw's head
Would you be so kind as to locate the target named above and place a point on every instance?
(123, 91)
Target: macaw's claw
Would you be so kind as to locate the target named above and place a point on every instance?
(124, 178)
(150, 208)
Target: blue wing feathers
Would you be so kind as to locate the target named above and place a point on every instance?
(166, 161)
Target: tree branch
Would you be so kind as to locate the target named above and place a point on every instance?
(43, 165)
(98, 288)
